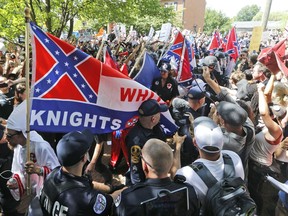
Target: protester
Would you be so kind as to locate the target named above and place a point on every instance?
(42, 160)
(261, 73)
(156, 160)
(243, 61)
(261, 159)
(165, 86)
(20, 93)
(146, 128)
(7, 202)
(66, 191)
(208, 138)
(6, 98)
(238, 129)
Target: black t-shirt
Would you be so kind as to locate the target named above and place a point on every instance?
(168, 91)
(6, 104)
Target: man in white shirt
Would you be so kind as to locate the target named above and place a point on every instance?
(208, 138)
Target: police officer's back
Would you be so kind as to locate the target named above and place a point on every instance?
(144, 198)
(66, 191)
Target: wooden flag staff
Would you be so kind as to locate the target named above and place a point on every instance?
(27, 57)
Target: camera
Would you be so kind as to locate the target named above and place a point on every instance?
(12, 56)
(198, 70)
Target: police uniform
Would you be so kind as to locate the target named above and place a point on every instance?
(129, 201)
(69, 195)
(168, 91)
(135, 140)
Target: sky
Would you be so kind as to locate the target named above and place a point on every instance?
(231, 7)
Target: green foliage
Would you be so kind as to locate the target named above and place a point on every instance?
(216, 20)
(12, 20)
(274, 16)
(247, 13)
(54, 16)
(140, 14)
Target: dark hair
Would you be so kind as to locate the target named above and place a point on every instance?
(253, 58)
(264, 69)
(248, 74)
(19, 89)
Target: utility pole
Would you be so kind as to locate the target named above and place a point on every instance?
(266, 13)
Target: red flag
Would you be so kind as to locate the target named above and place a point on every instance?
(215, 42)
(273, 58)
(224, 43)
(108, 60)
(183, 58)
(232, 47)
(185, 75)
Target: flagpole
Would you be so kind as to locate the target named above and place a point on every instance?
(162, 52)
(100, 49)
(166, 43)
(104, 49)
(181, 61)
(27, 20)
(137, 62)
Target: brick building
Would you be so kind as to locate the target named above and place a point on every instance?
(190, 12)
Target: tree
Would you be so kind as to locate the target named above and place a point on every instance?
(12, 20)
(274, 16)
(57, 16)
(140, 14)
(247, 13)
(216, 20)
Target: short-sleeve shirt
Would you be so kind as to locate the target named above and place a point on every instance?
(168, 91)
(215, 167)
(135, 140)
(66, 194)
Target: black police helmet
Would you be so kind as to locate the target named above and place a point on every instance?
(219, 55)
(73, 146)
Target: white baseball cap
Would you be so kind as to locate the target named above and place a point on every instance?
(208, 135)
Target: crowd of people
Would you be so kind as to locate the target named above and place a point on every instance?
(232, 122)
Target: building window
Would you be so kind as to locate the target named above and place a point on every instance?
(171, 4)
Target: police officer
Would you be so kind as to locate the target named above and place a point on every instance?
(165, 86)
(147, 127)
(214, 67)
(157, 160)
(66, 191)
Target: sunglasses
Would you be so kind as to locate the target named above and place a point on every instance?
(146, 161)
(9, 136)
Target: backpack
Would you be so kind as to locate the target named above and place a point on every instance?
(168, 203)
(228, 196)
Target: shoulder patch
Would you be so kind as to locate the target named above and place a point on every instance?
(118, 200)
(100, 204)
